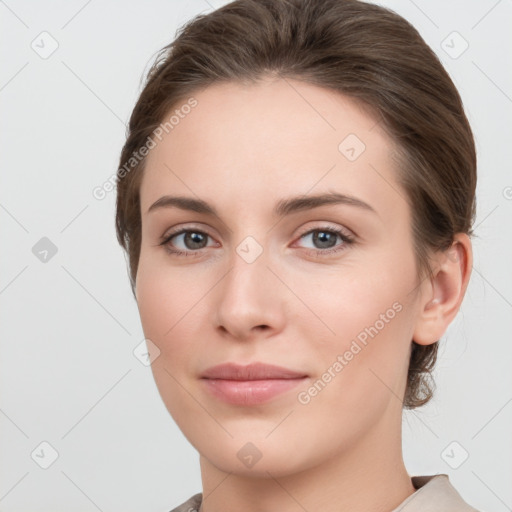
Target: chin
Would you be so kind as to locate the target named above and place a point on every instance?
(255, 457)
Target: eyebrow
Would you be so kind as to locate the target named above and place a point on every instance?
(282, 208)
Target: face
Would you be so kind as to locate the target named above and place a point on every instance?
(305, 261)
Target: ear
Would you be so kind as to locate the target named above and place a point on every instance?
(442, 295)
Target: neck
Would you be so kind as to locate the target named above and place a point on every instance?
(369, 477)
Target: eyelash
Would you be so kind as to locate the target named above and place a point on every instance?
(347, 240)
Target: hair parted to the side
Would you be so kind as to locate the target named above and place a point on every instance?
(361, 50)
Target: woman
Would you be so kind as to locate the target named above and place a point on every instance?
(295, 196)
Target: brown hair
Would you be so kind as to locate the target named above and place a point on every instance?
(364, 51)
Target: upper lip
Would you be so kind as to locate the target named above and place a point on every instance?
(253, 371)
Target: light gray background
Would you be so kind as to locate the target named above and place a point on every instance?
(69, 325)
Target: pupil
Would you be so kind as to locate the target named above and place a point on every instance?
(192, 239)
(322, 238)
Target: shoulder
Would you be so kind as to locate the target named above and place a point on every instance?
(191, 505)
(434, 493)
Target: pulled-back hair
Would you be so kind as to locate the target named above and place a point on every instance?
(364, 51)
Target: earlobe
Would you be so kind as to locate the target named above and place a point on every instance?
(442, 294)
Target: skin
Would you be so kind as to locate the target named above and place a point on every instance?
(242, 149)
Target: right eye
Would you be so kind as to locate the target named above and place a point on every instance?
(191, 241)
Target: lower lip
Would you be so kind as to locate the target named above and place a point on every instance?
(250, 392)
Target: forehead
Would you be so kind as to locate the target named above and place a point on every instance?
(279, 137)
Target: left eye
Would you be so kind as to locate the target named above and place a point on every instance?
(326, 239)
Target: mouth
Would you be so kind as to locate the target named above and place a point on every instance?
(253, 384)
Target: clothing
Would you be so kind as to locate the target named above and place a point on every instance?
(434, 493)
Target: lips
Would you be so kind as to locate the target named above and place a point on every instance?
(253, 371)
(253, 384)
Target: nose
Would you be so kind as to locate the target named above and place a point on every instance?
(250, 300)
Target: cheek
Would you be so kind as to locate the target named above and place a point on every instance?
(366, 321)
(361, 372)
(350, 301)
(163, 300)
(163, 297)
(151, 295)
(171, 305)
